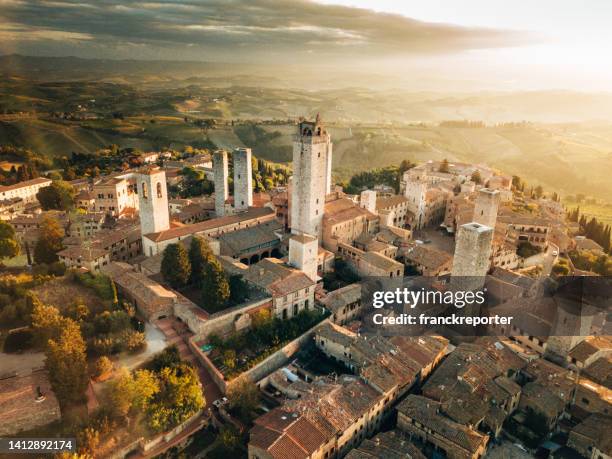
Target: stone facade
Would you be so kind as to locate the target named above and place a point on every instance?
(311, 177)
(243, 179)
(25, 190)
(154, 213)
(303, 250)
(221, 172)
(472, 255)
(485, 209)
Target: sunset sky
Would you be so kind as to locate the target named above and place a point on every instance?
(499, 44)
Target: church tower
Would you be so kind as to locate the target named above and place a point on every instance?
(152, 200)
(312, 159)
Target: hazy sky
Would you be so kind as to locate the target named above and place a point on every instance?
(497, 44)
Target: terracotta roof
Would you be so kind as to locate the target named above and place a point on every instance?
(25, 183)
(277, 278)
(596, 428)
(391, 201)
(589, 346)
(173, 233)
(343, 296)
(600, 371)
(428, 257)
(426, 412)
(386, 445)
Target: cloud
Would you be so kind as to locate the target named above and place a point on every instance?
(234, 30)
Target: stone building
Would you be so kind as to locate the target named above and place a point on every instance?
(471, 260)
(344, 304)
(326, 421)
(421, 417)
(390, 444)
(486, 206)
(312, 154)
(154, 243)
(151, 299)
(292, 290)
(344, 222)
(591, 438)
(428, 261)
(85, 256)
(25, 190)
(153, 195)
(114, 196)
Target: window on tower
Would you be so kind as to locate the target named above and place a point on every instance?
(145, 194)
(159, 190)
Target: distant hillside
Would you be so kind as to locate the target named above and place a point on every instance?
(268, 92)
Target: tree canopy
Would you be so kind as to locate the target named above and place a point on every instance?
(49, 241)
(175, 266)
(59, 195)
(66, 363)
(9, 245)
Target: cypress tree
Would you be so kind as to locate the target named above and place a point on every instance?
(215, 287)
(198, 255)
(175, 266)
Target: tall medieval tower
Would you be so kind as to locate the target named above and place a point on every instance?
(152, 200)
(221, 172)
(485, 208)
(312, 159)
(472, 256)
(243, 179)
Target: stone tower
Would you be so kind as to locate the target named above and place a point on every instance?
(303, 250)
(472, 256)
(311, 177)
(415, 189)
(485, 209)
(243, 179)
(152, 200)
(368, 200)
(220, 170)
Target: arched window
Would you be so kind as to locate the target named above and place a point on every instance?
(159, 190)
(145, 195)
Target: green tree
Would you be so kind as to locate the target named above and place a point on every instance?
(215, 288)
(476, 177)
(443, 166)
(179, 398)
(175, 266)
(49, 241)
(199, 251)
(66, 363)
(9, 245)
(59, 195)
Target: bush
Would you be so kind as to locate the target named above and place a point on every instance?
(100, 283)
(526, 250)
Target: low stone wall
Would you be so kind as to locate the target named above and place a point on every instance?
(215, 374)
(165, 437)
(272, 363)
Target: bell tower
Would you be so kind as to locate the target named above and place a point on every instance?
(312, 160)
